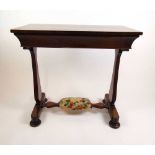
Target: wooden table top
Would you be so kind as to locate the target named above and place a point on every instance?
(75, 29)
(76, 36)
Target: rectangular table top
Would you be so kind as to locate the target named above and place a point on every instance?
(75, 29)
(76, 36)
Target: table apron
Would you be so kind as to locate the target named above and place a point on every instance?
(56, 41)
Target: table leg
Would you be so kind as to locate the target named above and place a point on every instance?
(111, 97)
(38, 95)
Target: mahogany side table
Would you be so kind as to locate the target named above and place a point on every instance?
(119, 38)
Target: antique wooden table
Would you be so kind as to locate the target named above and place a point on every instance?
(119, 38)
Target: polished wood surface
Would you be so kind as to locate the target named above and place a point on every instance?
(113, 86)
(76, 36)
(72, 29)
(119, 38)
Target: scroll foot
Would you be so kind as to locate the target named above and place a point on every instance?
(35, 122)
(114, 124)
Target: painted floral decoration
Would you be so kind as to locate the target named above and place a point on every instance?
(74, 104)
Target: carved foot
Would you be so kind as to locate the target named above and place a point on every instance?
(114, 124)
(35, 122)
